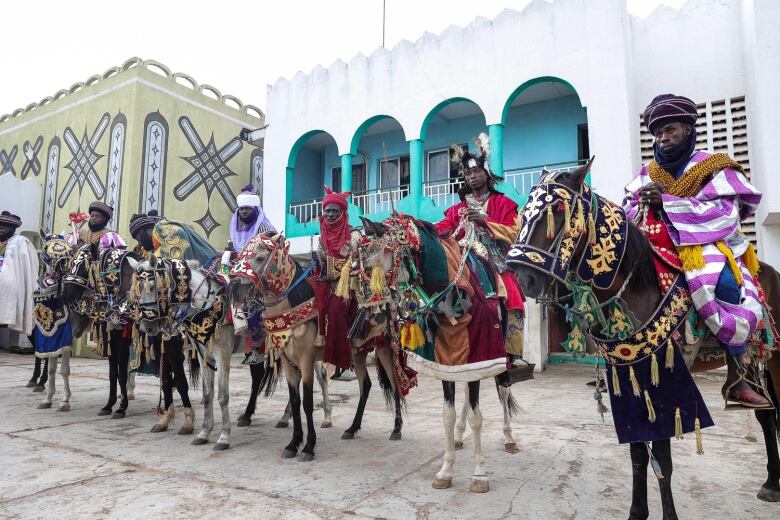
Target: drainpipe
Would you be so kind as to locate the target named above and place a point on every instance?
(416, 174)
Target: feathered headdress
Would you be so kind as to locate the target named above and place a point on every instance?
(463, 160)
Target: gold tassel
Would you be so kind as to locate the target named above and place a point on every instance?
(650, 409)
(591, 230)
(579, 220)
(751, 260)
(723, 248)
(377, 284)
(566, 218)
(550, 223)
(342, 287)
(616, 382)
(655, 376)
(669, 354)
(678, 433)
(412, 336)
(634, 382)
(699, 442)
(692, 257)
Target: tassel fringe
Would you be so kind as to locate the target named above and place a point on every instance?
(616, 382)
(751, 260)
(591, 230)
(655, 376)
(377, 279)
(650, 409)
(692, 257)
(579, 222)
(342, 287)
(634, 382)
(550, 223)
(412, 336)
(723, 248)
(566, 218)
(678, 431)
(669, 354)
(699, 442)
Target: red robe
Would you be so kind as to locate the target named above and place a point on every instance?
(503, 226)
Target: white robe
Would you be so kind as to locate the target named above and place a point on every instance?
(18, 279)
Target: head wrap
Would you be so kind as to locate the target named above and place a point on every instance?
(103, 208)
(144, 220)
(463, 160)
(241, 232)
(668, 108)
(9, 219)
(333, 235)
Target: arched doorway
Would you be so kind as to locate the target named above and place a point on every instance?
(310, 165)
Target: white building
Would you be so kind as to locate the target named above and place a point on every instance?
(551, 84)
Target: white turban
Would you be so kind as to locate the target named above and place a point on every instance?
(248, 199)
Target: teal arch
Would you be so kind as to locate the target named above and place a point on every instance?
(296, 147)
(529, 83)
(435, 110)
(353, 146)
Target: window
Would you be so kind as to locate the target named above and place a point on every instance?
(394, 172)
(358, 178)
(583, 146)
(440, 166)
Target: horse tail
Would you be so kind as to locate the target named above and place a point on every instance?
(384, 383)
(271, 377)
(508, 400)
(194, 370)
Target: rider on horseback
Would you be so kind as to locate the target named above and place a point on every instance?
(96, 232)
(692, 203)
(495, 219)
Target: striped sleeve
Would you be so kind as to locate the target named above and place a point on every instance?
(631, 198)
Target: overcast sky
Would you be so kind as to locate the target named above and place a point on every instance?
(237, 46)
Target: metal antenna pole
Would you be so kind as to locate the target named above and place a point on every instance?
(383, 22)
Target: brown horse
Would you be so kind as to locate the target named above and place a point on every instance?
(546, 257)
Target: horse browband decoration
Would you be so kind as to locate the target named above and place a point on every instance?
(607, 230)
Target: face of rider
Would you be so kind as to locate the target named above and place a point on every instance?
(97, 220)
(672, 135)
(6, 232)
(477, 179)
(144, 237)
(245, 213)
(332, 212)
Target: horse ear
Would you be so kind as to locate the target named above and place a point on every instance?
(368, 225)
(576, 179)
(93, 250)
(277, 237)
(43, 233)
(153, 260)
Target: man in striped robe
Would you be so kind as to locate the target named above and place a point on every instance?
(697, 200)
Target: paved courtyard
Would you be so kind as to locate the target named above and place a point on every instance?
(75, 464)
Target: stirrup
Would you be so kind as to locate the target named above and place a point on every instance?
(732, 403)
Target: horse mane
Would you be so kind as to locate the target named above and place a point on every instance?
(302, 292)
(638, 259)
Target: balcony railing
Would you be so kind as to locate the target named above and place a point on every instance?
(524, 178)
(306, 211)
(370, 202)
(444, 193)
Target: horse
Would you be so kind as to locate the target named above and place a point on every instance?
(96, 288)
(265, 270)
(398, 239)
(53, 319)
(174, 298)
(613, 266)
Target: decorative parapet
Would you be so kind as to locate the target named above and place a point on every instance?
(153, 66)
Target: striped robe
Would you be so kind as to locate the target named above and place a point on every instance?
(713, 215)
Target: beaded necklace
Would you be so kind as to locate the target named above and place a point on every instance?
(691, 181)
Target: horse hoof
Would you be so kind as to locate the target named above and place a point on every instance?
(159, 428)
(288, 453)
(119, 414)
(44, 406)
(511, 447)
(31, 383)
(39, 388)
(479, 486)
(104, 411)
(199, 441)
(282, 424)
(348, 435)
(305, 457)
(243, 420)
(220, 446)
(131, 397)
(395, 436)
(64, 407)
(769, 495)
(458, 445)
(185, 431)
(326, 424)
(441, 483)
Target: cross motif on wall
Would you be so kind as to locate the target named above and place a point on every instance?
(210, 167)
(7, 161)
(31, 161)
(82, 165)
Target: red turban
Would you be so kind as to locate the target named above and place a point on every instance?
(339, 199)
(335, 234)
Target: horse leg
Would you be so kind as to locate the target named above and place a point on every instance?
(639, 460)
(505, 396)
(46, 403)
(207, 375)
(113, 377)
(460, 424)
(307, 380)
(479, 480)
(322, 380)
(284, 422)
(36, 373)
(65, 373)
(662, 451)
(770, 490)
(293, 382)
(166, 382)
(385, 355)
(121, 348)
(225, 346)
(364, 382)
(44, 377)
(257, 371)
(443, 478)
(179, 380)
(131, 385)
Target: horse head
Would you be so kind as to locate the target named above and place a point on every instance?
(145, 288)
(263, 266)
(554, 222)
(55, 254)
